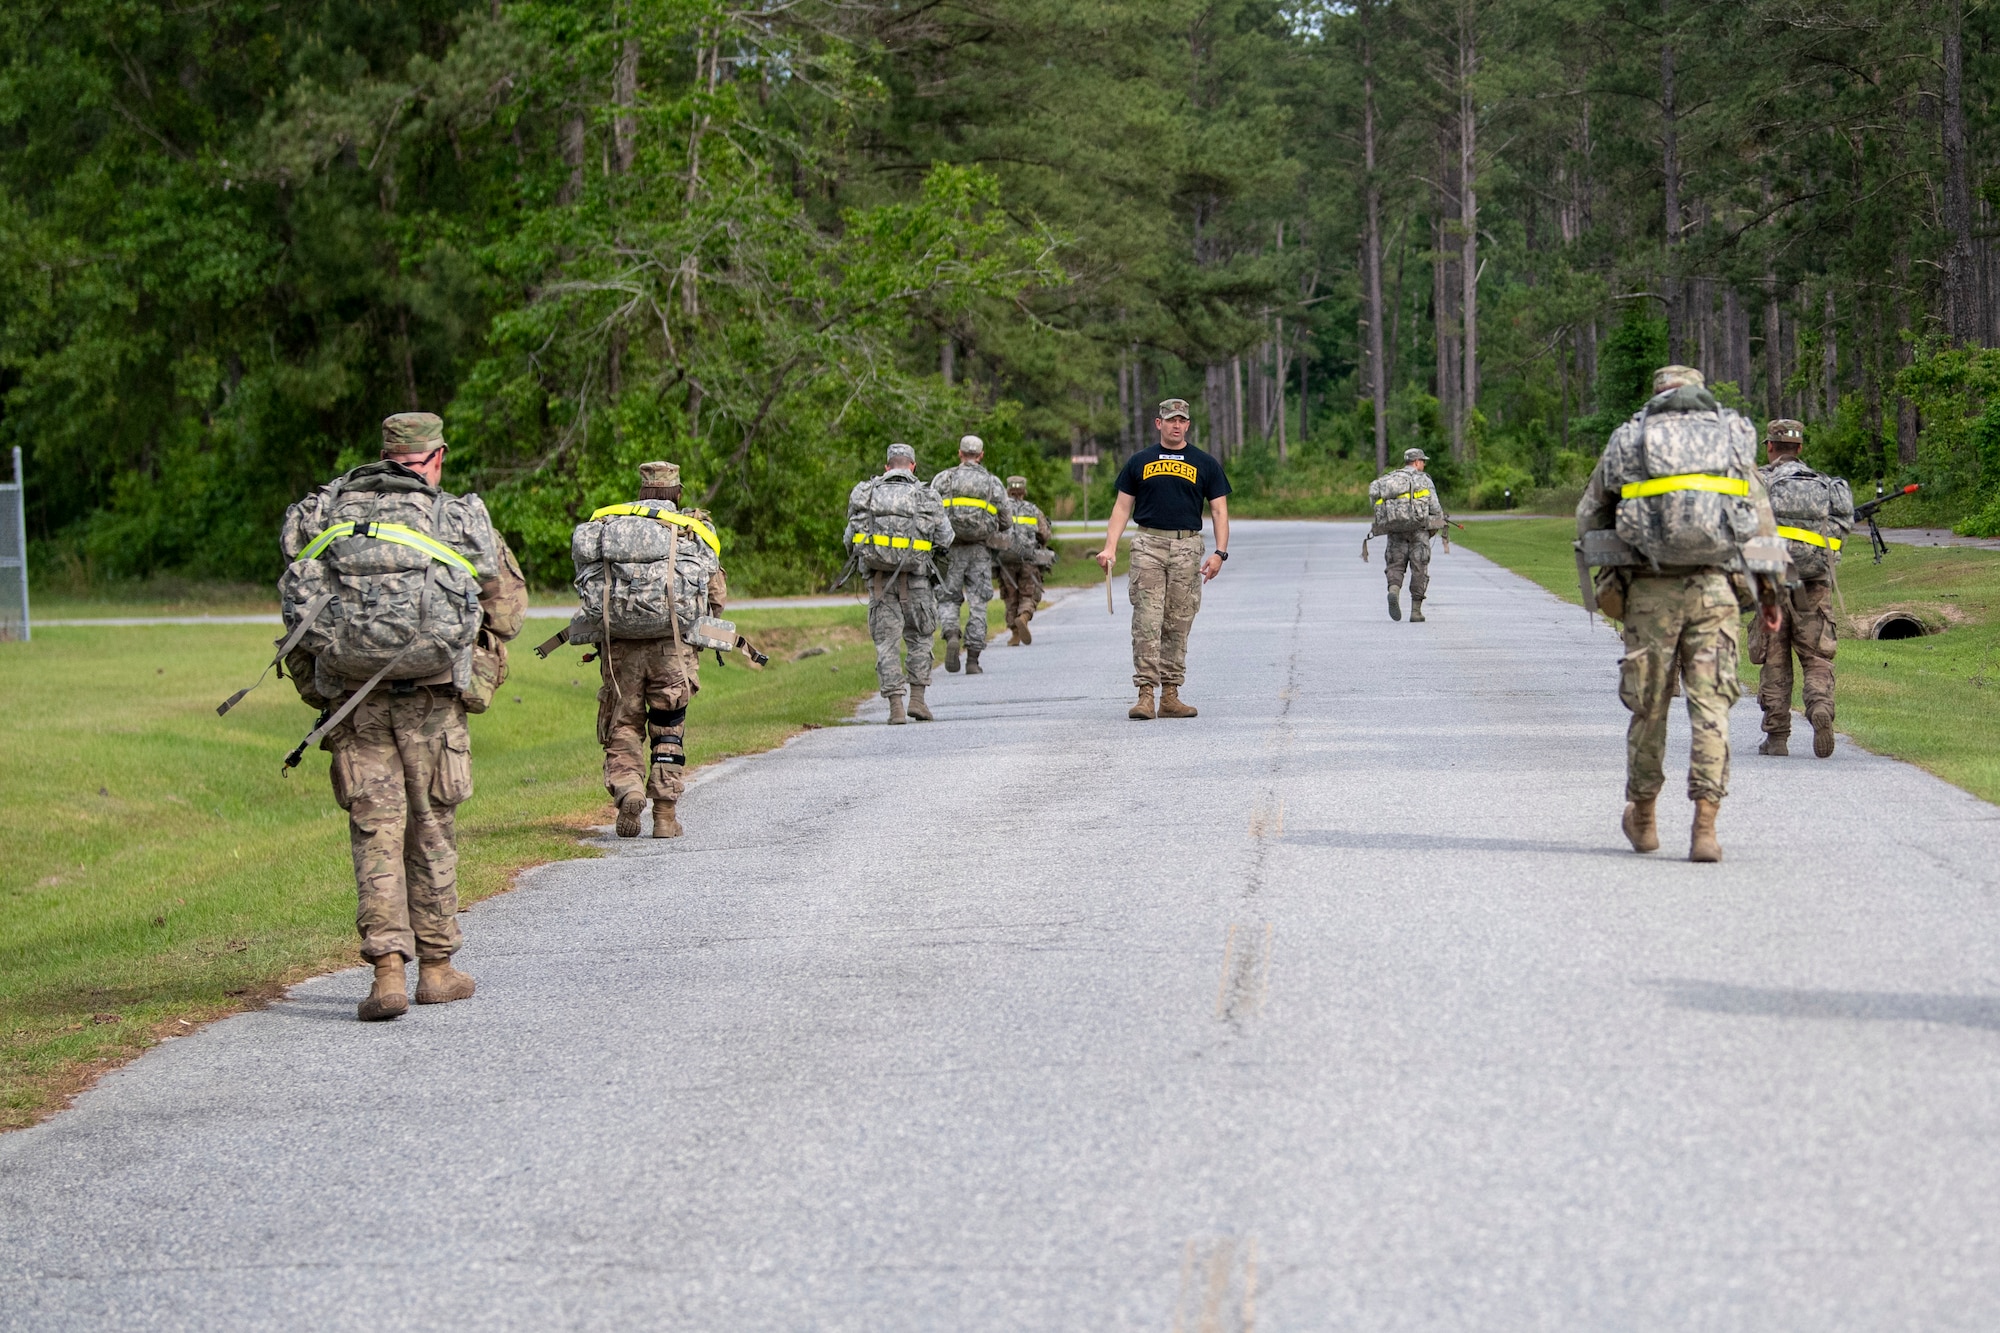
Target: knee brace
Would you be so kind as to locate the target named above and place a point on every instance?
(665, 724)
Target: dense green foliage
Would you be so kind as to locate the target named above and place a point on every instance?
(766, 241)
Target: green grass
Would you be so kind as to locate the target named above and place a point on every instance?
(1076, 566)
(157, 871)
(1930, 701)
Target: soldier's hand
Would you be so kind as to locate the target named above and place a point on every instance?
(1105, 559)
(1211, 567)
(1770, 618)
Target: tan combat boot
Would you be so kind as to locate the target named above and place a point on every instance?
(1641, 828)
(390, 997)
(1013, 634)
(1703, 846)
(1776, 743)
(630, 806)
(438, 982)
(1416, 610)
(972, 667)
(1822, 725)
(950, 651)
(1171, 705)
(1021, 628)
(665, 823)
(1395, 606)
(1143, 710)
(919, 709)
(897, 717)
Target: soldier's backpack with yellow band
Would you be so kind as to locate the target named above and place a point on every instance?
(1402, 501)
(642, 572)
(973, 497)
(1815, 513)
(1683, 465)
(886, 528)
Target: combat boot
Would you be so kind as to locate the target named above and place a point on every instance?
(1021, 628)
(919, 710)
(897, 717)
(1642, 829)
(1703, 846)
(1822, 725)
(972, 667)
(438, 982)
(951, 652)
(1143, 710)
(389, 998)
(1395, 606)
(1171, 705)
(665, 823)
(1013, 634)
(1416, 609)
(630, 806)
(1775, 743)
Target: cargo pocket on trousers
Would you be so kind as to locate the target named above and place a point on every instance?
(1636, 671)
(341, 771)
(451, 775)
(1728, 682)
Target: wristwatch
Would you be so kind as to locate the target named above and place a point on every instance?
(1221, 555)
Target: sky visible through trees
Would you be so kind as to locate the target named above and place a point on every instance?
(765, 241)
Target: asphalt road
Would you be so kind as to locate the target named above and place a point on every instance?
(1340, 1006)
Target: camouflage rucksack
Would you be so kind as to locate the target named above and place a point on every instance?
(973, 497)
(1024, 544)
(891, 521)
(642, 572)
(1402, 501)
(1683, 465)
(1815, 513)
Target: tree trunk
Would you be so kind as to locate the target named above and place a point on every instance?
(1236, 402)
(572, 156)
(1774, 356)
(1278, 351)
(1829, 363)
(1963, 321)
(948, 359)
(1670, 187)
(1378, 380)
(1468, 217)
(625, 92)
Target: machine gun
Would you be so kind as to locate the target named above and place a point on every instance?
(1867, 511)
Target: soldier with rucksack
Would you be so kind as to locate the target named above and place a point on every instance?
(1815, 513)
(982, 520)
(895, 527)
(1027, 554)
(1408, 512)
(1678, 521)
(399, 600)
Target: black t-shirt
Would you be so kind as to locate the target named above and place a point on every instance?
(1169, 486)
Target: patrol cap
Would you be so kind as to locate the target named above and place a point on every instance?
(1175, 407)
(901, 455)
(1785, 431)
(411, 433)
(1412, 455)
(659, 474)
(971, 444)
(1677, 377)
(1017, 483)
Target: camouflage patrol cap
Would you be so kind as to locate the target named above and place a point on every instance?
(1175, 407)
(971, 444)
(1677, 377)
(1785, 431)
(659, 474)
(1412, 455)
(1017, 483)
(411, 433)
(901, 455)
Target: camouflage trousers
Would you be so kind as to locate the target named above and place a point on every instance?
(402, 763)
(1165, 587)
(902, 610)
(968, 577)
(1681, 627)
(647, 685)
(1808, 630)
(1020, 591)
(1409, 551)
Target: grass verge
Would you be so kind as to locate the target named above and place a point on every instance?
(157, 872)
(1925, 700)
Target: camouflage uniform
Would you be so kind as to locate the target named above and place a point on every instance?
(1020, 575)
(1164, 584)
(401, 760)
(968, 569)
(1808, 629)
(902, 609)
(1409, 553)
(647, 685)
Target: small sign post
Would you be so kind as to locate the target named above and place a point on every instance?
(14, 555)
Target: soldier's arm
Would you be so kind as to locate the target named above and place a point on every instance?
(1044, 533)
(1843, 508)
(504, 597)
(718, 593)
(1598, 509)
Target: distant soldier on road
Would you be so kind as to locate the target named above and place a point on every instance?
(646, 574)
(1162, 489)
(1408, 512)
(1678, 483)
(399, 602)
(981, 521)
(1815, 513)
(895, 527)
(1028, 552)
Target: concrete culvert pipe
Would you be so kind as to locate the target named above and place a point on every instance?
(1898, 625)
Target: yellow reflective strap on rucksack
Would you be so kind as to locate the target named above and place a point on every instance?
(388, 532)
(1026, 518)
(694, 525)
(973, 503)
(1687, 481)
(1405, 495)
(898, 543)
(1809, 537)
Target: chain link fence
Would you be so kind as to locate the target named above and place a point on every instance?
(14, 555)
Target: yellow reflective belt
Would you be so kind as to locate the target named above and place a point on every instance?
(899, 543)
(976, 504)
(1023, 518)
(388, 532)
(1809, 537)
(1406, 495)
(694, 525)
(1687, 481)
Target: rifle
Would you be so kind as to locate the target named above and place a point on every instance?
(853, 563)
(1867, 511)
